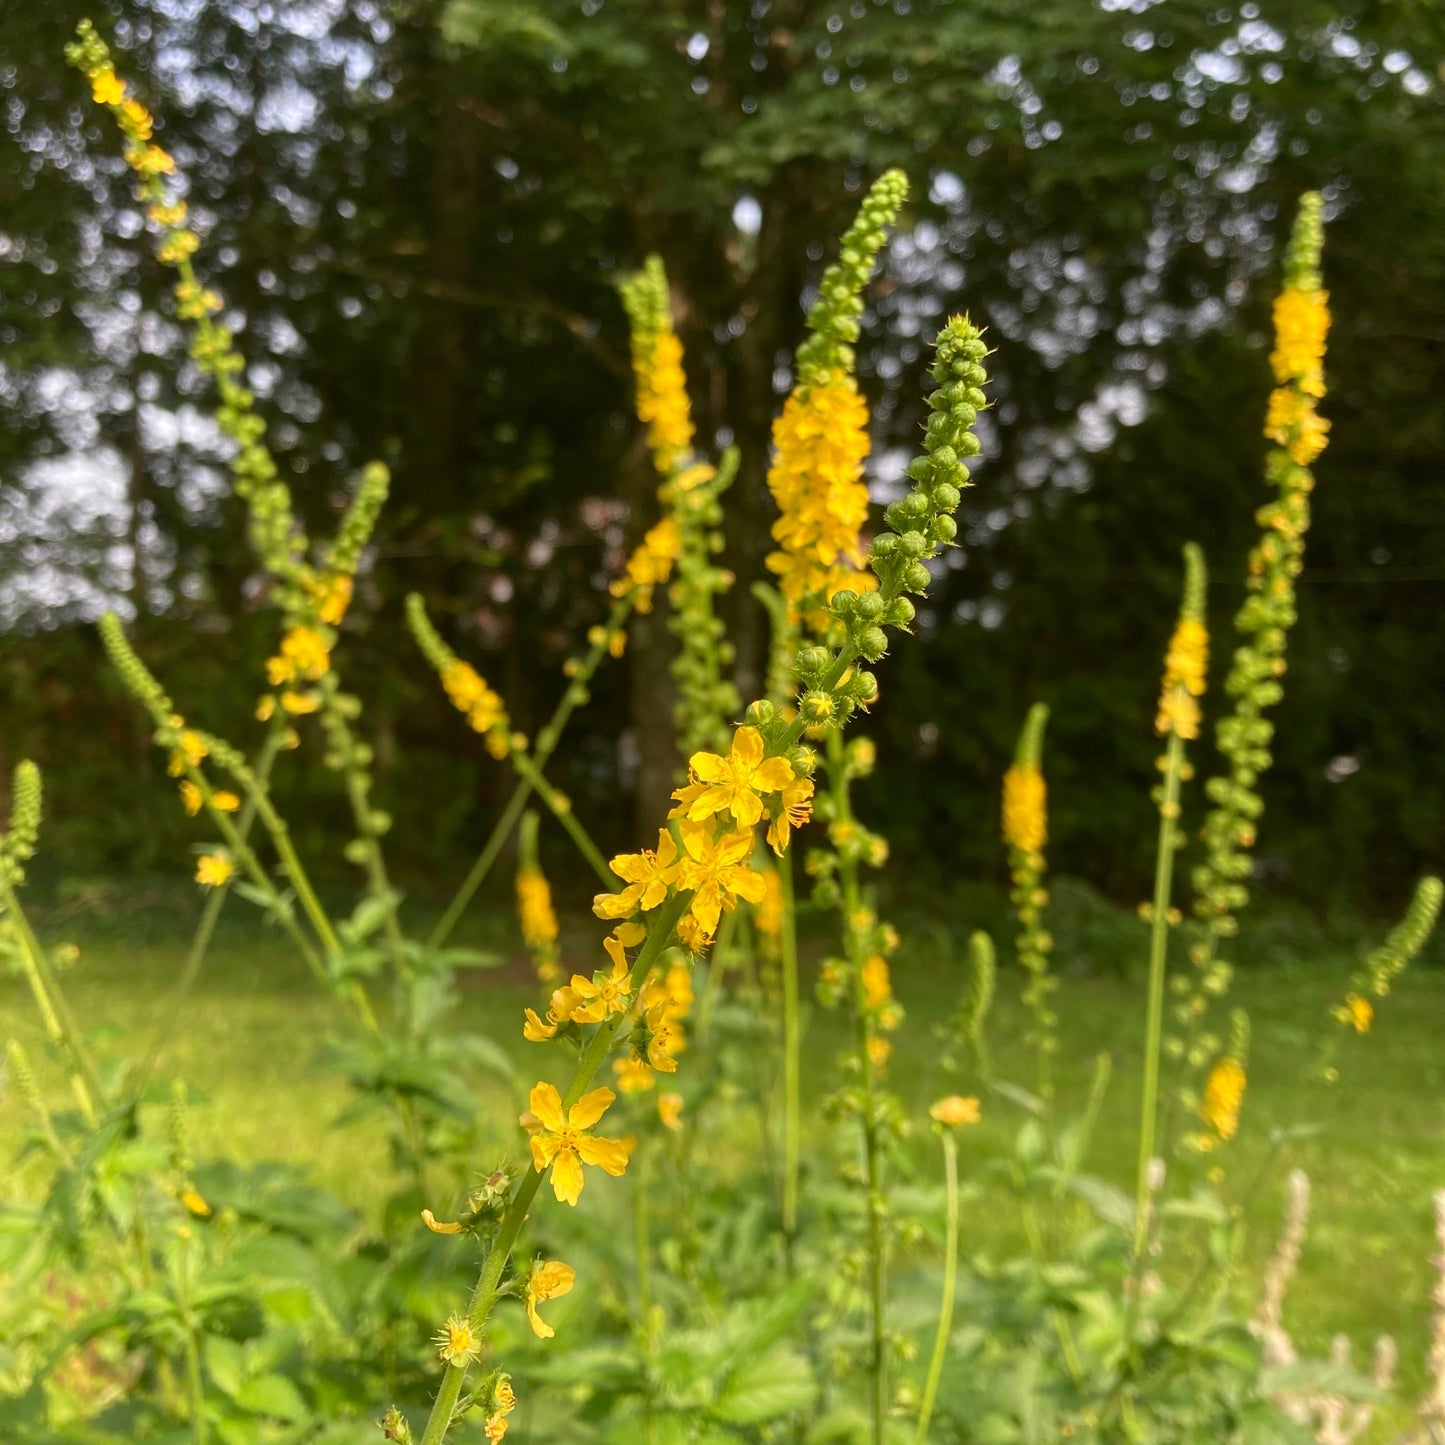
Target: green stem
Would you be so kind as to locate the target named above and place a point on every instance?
(873, 1164)
(60, 1023)
(547, 740)
(950, 1282)
(792, 1049)
(484, 1295)
(716, 967)
(1158, 958)
(562, 811)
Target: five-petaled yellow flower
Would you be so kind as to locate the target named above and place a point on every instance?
(794, 809)
(647, 875)
(955, 1111)
(736, 783)
(604, 993)
(213, 870)
(563, 1139)
(548, 1280)
(715, 871)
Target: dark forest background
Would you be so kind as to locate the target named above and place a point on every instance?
(418, 213)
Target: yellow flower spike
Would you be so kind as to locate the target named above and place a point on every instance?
(213, 870)
(333, 597)
(549, 1280)
(1186, 663)
(715, 871)
(438, 1226)
(1223, 1097)
(648, 875)
(669, 1110)
(1025, 815)
(457, 1342)
(563, 1141)
(955, 1111)
(107, 88)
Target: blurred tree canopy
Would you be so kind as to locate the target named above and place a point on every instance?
(418, 213)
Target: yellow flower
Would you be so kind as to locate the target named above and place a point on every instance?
(537, 1032)
(715, 871)
(169, 215)
(604, 993)
(1025, 817)
(669, 1110)
(1301, 324)
(564, 1143)
(304, 655)
(213, 870)
(333, 597)
(879, 1052)
(692, 935)
(470, 695)
(457, 1342)
(1361, 1012)
(299, 704)
(1293, 423)
(634, 1076)
(877, 984)
(662, 403)
(820, 442)
(1223, 1095)
(737, 782)
(136, 120)
(647, 874)
(495, 1429)
(195, 1204)
(955, 1111)
(1185, 666)
(265, 708)
(224, 801)
(651, 563)
(664, 1039)
(548, 1280)
(534, 908)
(795, 807)
(107, 87)
(190, 798)
(190, 749)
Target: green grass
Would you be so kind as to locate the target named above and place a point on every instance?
(246, 1041)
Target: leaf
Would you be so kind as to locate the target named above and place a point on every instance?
(225, 1363)
(1108, 1202)
(1319, 1377)
(1016, 1095)
(777, 1384)
(274, 1395)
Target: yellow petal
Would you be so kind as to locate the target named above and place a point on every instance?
(590, 1108)
(546, 1104)
(747, 884)
(629, 935)
(709, 768)
(438, 1226)
(609, 1154)
(747, 747)
(535, 1030)
(773, 776)
(567, 1177)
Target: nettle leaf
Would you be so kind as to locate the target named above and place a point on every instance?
(777, 1384)
(225, 1363)
(273, 1395)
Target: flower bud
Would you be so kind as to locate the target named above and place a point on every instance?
(760, 713)
(872, 643)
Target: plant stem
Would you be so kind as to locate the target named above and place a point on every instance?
(792, 1050)
(574, 695)
(950, 1281)
(485, 1295)
(60, 1023)
(562, 811)
(875, 1204)
(1158, 958)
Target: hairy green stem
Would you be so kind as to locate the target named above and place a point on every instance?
(1154, 1027)
(792, 1049)
(950, 1282)
(485, 1294)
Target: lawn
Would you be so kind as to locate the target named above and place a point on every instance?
(247, 1038)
